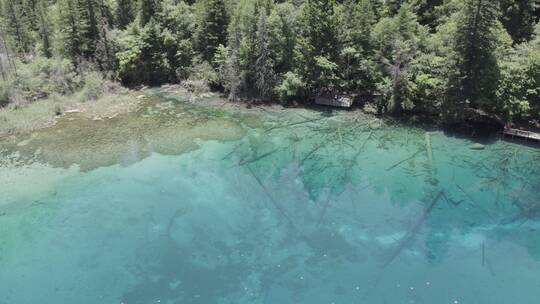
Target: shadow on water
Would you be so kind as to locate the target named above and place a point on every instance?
(484, 138)
(172, 277)
(524, 142)
(182, 273)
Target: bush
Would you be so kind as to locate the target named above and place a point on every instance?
(93, 88)
(39, 79)
(45, 76)
(202, 78)
(292, 87)
(519, 86)
(196, 86)
(203, 71)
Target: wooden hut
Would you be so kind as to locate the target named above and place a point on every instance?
(328, 97)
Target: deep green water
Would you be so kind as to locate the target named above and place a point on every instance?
(184, 203)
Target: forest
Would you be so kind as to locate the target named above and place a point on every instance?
(418, 56)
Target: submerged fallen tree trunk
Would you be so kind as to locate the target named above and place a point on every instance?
(271, 198)
(294, 124)
(405, 160)
(256, 158)
(313, 151)
(411, 235)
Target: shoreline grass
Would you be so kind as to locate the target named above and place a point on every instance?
(46, 112)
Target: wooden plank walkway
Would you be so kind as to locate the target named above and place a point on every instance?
(521, 134)
(334, 101)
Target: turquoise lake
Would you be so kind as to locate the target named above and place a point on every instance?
(184, 202)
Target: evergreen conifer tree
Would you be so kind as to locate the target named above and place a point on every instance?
(212, 30)
(18, 25)
(147, 11)
(124, 13)
(73, 28)
(44, 30)
(318, 47)
(264, 65)
(519, 18)
(474, 77)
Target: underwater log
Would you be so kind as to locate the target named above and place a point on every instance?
(405, 160)
(410, 236)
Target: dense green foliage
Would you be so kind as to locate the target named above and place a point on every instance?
(422, 56)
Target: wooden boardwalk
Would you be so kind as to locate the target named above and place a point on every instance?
(521, 134)
(334, 101)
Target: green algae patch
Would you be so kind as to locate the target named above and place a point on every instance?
(89, 143)
(162, 122)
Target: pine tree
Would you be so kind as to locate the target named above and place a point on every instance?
(104, 51)
(29, 12)
(318, 46)
(398, 42)
(178, 21)
(212, 30)
(519, 18)
(72, 27)
(44, 30)
(397, 68)
(264, 65)
(391, 7)
(356, 20)
(475, 76)
(10, 66)
(147, 10)
(84, 27)
(284, 24)
(124, 13)
(232, 70)
(233, 78)
(91, 34)
(426, 11)
(140, 55)
(18, 26)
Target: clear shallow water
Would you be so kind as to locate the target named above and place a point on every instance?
(191, 204)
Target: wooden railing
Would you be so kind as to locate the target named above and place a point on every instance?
(521, 133)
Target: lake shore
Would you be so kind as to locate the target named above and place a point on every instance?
(48, 112)
(19, 124)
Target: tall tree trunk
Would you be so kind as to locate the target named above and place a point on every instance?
(11, 63)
